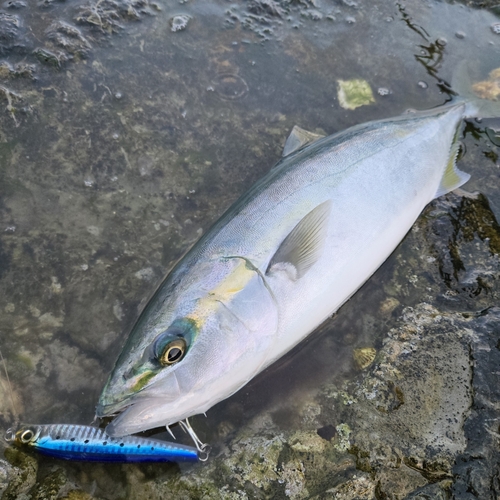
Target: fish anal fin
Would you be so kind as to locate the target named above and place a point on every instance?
(299, 138)
(303, 245)
(452, 178)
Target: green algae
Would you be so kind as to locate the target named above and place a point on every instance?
(354, 93)
(344, 433)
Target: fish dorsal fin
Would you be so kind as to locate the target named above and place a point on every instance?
(452, 177)
(299, 138)
(302, 247)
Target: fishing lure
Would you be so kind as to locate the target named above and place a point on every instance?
(87, 443)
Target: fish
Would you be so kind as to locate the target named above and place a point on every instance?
(88, 443)
(281, 260)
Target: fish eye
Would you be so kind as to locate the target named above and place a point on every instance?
(172, 352)
(27, 436)
(171, 345)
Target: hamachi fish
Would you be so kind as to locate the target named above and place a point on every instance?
(281, 260)
(87, 443)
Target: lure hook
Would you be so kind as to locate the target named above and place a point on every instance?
(170, 431)
(203, 448)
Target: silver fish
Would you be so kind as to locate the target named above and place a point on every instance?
(281, 260)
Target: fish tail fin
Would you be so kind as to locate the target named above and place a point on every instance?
(452, 178)
(482, 97)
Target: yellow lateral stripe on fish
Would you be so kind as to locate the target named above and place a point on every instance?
(223, 292)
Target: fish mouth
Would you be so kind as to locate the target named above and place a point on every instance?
(111, 409)
(110, 405)
(138, 411)
(120, 412)
(121, 391)
(155, 406)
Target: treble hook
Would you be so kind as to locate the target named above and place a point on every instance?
(203, 448)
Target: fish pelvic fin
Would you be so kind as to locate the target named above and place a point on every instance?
(303, 245)
(452, 178)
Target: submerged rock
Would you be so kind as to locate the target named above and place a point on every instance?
(21, 472)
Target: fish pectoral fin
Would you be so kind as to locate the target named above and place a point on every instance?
(452, 178)
(299, 138)
(303, 246)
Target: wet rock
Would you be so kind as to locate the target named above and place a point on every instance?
(9, 31)
(23, 482)
(69, 39)
(77, 495)
(431, 409)
(14, 109)
(436, 491)
(484, 4)
(307, 441)
(396, 484)
(50, 486)
(256, 460)
(100, 16)
(70, 376)
(360, 487)
(476, 469)
(9, 24)
(266, 7)
(179, 23)
(57, 40)
(458, 225)
(108, 15)
(15, 4)
(19, 70)
(388, 306)
(5, 474)
(310, 415)
(430, 359)
(266, 17)
(22, 474)
(49, 57)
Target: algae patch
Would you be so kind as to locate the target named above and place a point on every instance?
(343, 433)
(490, 88)
(354, 93)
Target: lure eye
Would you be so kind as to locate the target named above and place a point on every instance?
(27, 436)
(172, 352)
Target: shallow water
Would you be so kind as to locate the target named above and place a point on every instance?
(127, 128)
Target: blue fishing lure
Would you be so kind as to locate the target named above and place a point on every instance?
(87, 443)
